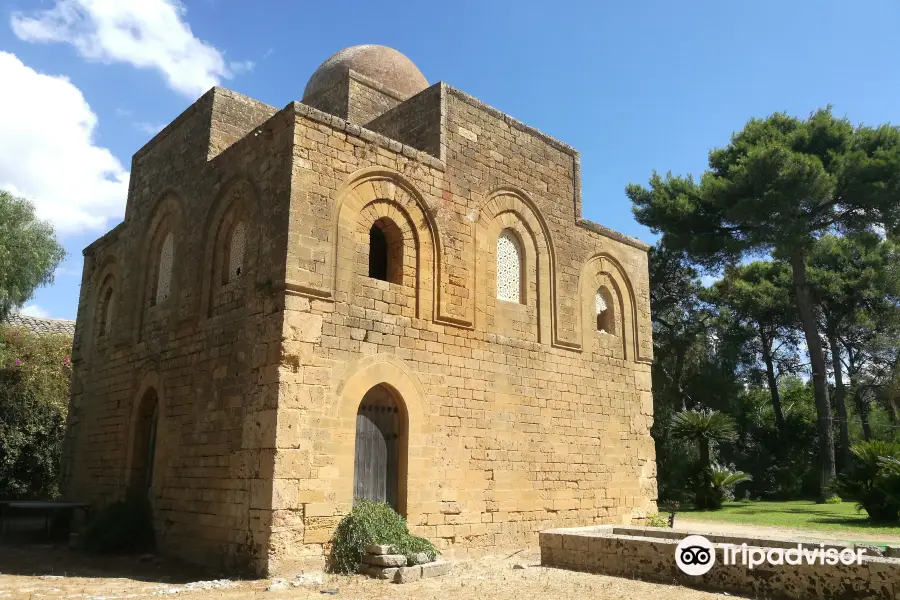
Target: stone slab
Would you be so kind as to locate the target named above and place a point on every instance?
(419, 558)
(387, 573)
(385, 560)
(436, 568)
(408, 574)
(379, 549)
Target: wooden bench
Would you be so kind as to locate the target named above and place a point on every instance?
(48, 508)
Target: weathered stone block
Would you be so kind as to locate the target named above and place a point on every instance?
(408, 574)
(419, 558)
(436, 568)
(387, 573)
(385, 560)
(379, 549)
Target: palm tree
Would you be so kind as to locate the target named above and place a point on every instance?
(706, 428)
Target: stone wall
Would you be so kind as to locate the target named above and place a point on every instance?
(518, 417)
(205, 352)
(416, 122)
(649, 554)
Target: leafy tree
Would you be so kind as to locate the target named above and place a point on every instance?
(759, 296)
(780, 184)
(29, 252)
(855, 283)
(34, 394)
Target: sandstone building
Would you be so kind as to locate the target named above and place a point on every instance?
(385, 291)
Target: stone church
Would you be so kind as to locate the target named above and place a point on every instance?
(387, 291)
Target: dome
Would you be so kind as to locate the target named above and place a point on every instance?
(384, 65)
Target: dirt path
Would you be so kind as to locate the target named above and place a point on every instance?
(687, 524)
(42, 572)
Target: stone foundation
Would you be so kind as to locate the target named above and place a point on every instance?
(648, 553)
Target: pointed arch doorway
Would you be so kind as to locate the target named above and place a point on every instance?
(143, 449)
(380, 458)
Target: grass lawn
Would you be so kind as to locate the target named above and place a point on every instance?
(798, 514)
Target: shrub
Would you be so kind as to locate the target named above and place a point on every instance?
(373, 523)
(121, 527)
(34, 395)
(723, 480)
(833, 500)
(872, 480)
(657, 520)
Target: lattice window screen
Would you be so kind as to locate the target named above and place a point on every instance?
(509, 268)
(600, 302)
(166, 256)
(236, 260)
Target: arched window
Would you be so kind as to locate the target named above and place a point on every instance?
(603, 312)
(236, 252)
(107, 309)
(164, 278)
(509, 267)
(386, 251)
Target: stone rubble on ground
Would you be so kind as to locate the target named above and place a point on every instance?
(216, 584)
(313, 578)
(277, 584)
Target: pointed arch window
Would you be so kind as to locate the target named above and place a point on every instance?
(164, 278)
(107, 310)
(236, 252)
(509, 267)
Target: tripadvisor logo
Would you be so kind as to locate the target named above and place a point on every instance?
(695, 555)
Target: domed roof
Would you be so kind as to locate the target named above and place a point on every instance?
(385, 65)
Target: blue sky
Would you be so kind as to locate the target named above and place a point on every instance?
(634, 86)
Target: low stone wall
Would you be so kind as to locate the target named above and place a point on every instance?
(649, 554)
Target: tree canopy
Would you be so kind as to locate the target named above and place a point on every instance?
(29, 252)
(778, 186)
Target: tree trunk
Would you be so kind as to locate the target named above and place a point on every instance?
(840, 396)
(773, 383)
(863, 407)
(820, 382)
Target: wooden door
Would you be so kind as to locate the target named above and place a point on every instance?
(377, 459)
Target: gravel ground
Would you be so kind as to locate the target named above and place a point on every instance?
(43, 571)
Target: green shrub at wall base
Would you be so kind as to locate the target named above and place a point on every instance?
(122, 527)
(373, 523)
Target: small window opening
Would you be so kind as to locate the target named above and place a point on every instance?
(509, 267)
(386, 251)
(378, 253)
(236, 252)
(603, 312)
(164, 276)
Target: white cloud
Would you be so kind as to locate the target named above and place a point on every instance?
(148, 34)
(48, 154)
(149, 128)
(33, 310)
